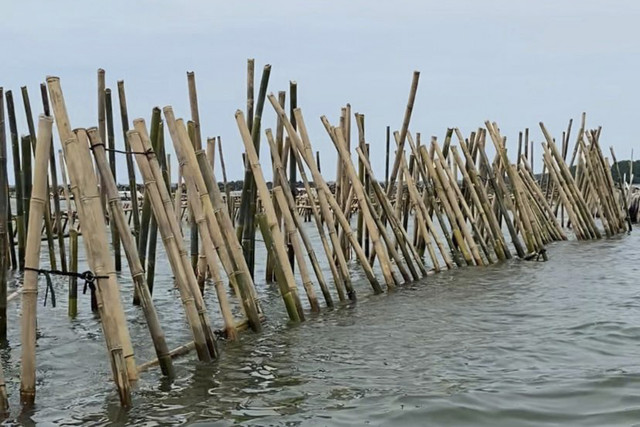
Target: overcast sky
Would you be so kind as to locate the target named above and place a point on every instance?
(512, 61)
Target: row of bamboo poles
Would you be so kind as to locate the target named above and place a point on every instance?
(442, 205)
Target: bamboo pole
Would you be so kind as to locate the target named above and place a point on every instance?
(102, 109)
(4, 239)
(303, 145)
(339, 271)
(54, 185)
(73, 267)
(17, 167)
(278, 171)
(173, 245)
(137, 272)
(403, 130)
(288, 288)
(27, 177)
(356, 184)
(133, 187)
(91, 217)
(227, 192)
(47, 209)
(237, 267)
(32, 263)
(115, 237)
(291, 231)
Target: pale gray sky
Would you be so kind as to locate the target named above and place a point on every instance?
(513, 61)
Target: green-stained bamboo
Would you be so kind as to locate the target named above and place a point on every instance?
(153, 226)
(293, 180)
(91, 216)
(12, 242)
(17, 167)
(111, 142)
(291, 231)
(4, 237)
(47, 210)
(249, 228)
(73, 267)
(54, 186)
(27, 176)
(137, 272)
(339, 282)
(133, 187)
(32, 263)
(174, 246)
(288, 288)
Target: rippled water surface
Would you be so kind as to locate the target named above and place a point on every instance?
(518, 343)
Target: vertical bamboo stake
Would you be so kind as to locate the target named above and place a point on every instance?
(32, 261)
(17, 167)
(47, 210)
(133, 187)
(293, 180)
(54, 186)
(4, 236)
(25, 144)
(386, 163)
(89, 207)
(226, 189)
(102, 109)
(115, 238)
(250, 91)
(73, 267)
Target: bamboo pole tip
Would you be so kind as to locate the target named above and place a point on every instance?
(138, 120)
(101, 71)
(50, 79)
(239, 113)
(167, 109)
(45, 118)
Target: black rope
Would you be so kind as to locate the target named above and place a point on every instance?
(88, 276)
(149, 151)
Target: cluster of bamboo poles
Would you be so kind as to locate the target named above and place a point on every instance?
(440, 206)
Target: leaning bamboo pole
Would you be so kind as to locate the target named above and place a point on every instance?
(158, 176)
(91, 217)
(403, 131)
(236, 269)
(116, 214)
(173, 246)
(278, 171)
(303, 145)
(54, 185)
(32, 264)
(288, 289)
(292, 234)
(356, 184)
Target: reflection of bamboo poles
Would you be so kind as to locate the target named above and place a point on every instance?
(32, 264)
